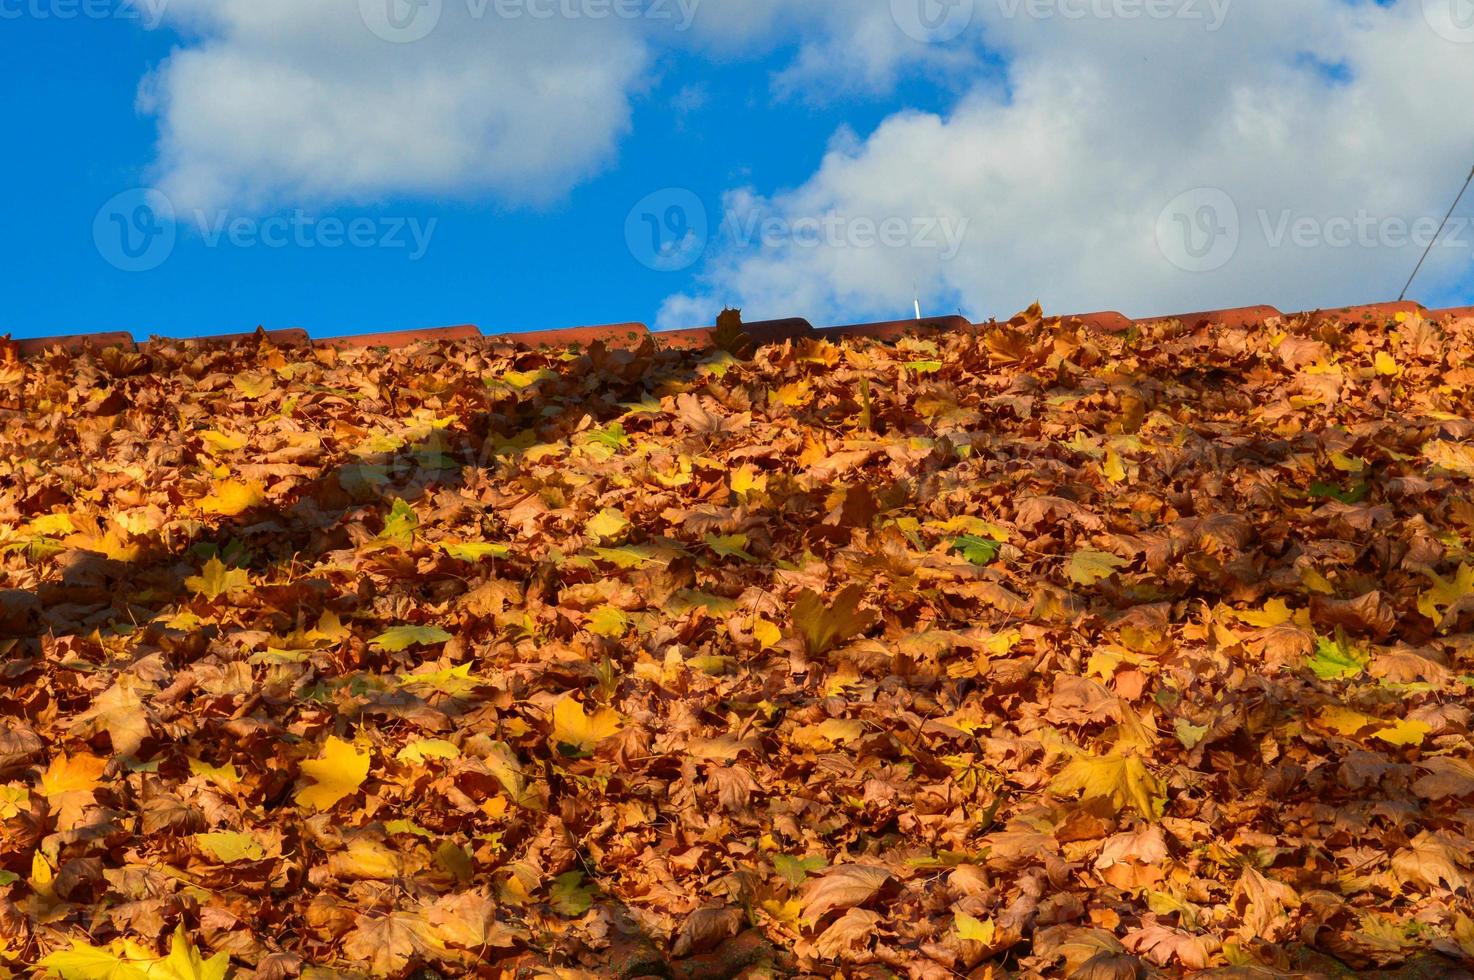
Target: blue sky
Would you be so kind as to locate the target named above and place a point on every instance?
(1067, 155)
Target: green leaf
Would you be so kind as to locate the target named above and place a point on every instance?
(1327, 491)
(8, 878)
(824, 627)
(569, 896)
(401, 638)
(796, 870)
(1334, 661)
(979, 551)
(400, 525)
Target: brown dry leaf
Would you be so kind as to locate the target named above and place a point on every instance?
(844, 887)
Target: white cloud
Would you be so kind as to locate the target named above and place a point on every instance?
(297, 101)
(1317, 110)
(303, 102)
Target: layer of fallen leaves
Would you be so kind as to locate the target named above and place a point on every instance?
(1019, 652)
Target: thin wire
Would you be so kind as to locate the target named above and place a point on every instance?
(1429, 250)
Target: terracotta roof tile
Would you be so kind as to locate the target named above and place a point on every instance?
(763, 332)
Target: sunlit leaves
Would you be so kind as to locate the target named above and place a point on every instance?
(424, 750)
(401, 638)
(216, 580)
(576, 732)
(229, 847)
(608, 525)
(334, 775)
(1335, 661)
(475, 550)
(1089, 567)
(400, 525)
(1118, 780)
(230, 498)
(1438, 602)
(825, 625)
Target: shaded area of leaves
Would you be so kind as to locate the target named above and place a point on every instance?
(1016, 652)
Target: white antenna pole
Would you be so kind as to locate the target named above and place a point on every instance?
(917, 292)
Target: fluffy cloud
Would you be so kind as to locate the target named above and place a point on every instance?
(1112, 171)
(322, 101)
(300, 101)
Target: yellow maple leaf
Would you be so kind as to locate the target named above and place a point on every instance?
(215, 580)
(975, 930)
(1118, 779)
(577, 733)
(224, 442)
(1113, 469)
(766, 633)
(226, 776)
(338, 772)
(185, 962)
(1276, 612)
(1404, 732)
(81, 773)
(1386, 365)
(607, 525)
(231, 497)
(747, 479)
(1090, 567)
(1438, 600)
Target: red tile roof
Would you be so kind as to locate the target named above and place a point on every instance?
(763, 332)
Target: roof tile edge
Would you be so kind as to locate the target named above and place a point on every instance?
(633, 334)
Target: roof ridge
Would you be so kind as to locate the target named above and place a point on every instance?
(764, 332)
